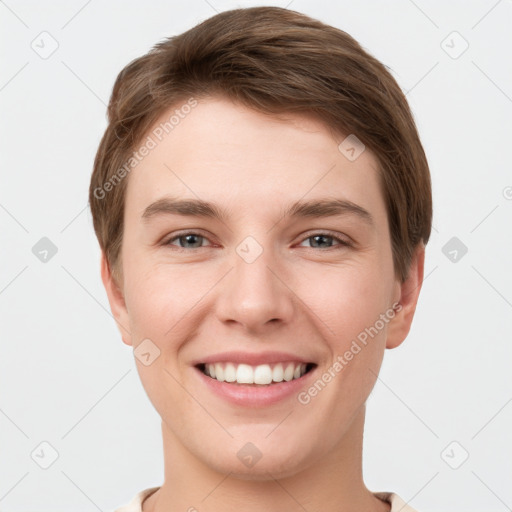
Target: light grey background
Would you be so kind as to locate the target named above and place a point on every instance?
(67, 379)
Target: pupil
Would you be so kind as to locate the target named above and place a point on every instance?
(315, 237)
(188, 237)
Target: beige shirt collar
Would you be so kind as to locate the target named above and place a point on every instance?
(397, 503)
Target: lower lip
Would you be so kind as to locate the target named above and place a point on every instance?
(255, 395)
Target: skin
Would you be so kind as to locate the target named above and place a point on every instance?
(310, 300)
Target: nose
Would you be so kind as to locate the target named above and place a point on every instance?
(254, 294)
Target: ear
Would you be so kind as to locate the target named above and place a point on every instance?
(116, 301)
(409, 290)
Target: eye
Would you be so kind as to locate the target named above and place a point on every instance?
(319, 240)
(194, 239)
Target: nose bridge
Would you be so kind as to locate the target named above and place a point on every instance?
(254, 294)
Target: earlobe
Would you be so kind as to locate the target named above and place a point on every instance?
(116, 300)
(399, 327)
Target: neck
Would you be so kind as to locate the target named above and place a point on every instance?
(331, 484)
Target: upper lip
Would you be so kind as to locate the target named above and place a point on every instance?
(253, 359)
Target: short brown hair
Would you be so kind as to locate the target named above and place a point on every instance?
(276, 61)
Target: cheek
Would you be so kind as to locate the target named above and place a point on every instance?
(347, 299)
(159, 301)
(159, 298)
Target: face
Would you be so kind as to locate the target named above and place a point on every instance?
(261, 289)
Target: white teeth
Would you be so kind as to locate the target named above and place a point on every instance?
(262, 374)
(244, 374)
(230, 373)
(288, 373)
(218, 373)
(277, 373)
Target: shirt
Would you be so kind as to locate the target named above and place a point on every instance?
(397, 503)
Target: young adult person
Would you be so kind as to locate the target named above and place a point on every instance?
(262, 201)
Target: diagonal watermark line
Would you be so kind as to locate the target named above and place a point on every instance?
(13, 13)
(503, 407)
(484, 218)
(410, 409)
(13, 279)
(483, 483)
(96, 404)
(74, 218)
(287, 492)
(424, 14)
(492, 81)
(279, 423)
(410, 499)
(14, 76)
(76, 14)
(428, 72)
(485, 15)
(13, 217)
(94, 298)
(208, 495)
(190, 309)
(83, 83)
(424, 279)
(199, 403)
(493, 287)
(14, 424)
(5, 495)
(332, 332)
(206, 1)
(101, 510)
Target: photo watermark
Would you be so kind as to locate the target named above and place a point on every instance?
(304, 397)
(152, 140)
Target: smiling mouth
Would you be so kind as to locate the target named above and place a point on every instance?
(260, 375)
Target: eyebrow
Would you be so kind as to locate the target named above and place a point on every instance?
(308, 209)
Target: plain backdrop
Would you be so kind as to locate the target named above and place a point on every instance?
(438, 418)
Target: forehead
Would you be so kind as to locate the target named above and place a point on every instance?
(229, 154)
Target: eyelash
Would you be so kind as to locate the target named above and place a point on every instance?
(329, 234)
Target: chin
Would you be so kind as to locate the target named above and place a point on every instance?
(275, 465)
(272, 472)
